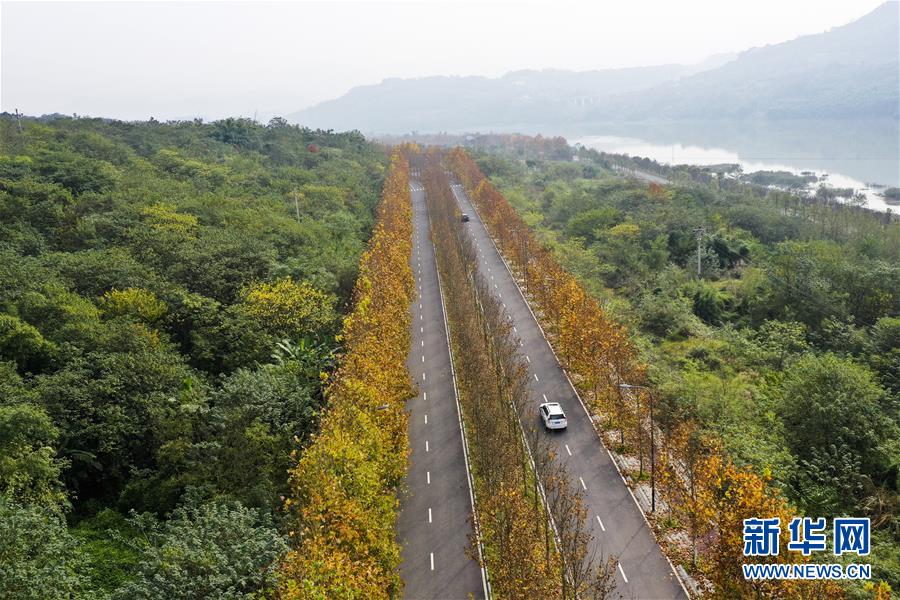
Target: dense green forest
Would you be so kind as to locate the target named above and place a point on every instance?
(785, 345)
(169, 299)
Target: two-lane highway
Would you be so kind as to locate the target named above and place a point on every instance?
(435, 521)
(618, 525)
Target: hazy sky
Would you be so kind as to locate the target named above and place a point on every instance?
(133, 60)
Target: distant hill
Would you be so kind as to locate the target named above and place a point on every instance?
(529, 96)
(849, 71)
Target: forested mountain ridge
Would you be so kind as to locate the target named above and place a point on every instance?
(528, 96)
(848, 71)
(169, 298)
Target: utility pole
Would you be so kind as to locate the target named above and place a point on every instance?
(297, 205)
(19, 120)
(698, 233)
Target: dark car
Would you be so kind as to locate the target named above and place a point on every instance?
(464, 218)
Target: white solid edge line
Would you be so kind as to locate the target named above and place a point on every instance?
(583, 406)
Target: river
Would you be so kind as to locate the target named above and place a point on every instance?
(862, 155)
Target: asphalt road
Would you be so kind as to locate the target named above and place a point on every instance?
(435, 518)
(617, 523)
(644, 176)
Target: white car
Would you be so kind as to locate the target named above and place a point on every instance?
(553, 416)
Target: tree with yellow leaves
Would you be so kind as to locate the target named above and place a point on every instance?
(289, 307)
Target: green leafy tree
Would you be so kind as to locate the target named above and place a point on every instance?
(205, 551)
(884, 356)
(76, 173)
(590, 224)
(39, 559)
(24, 344)
(108, 406)
(29, 469)
(835, 423)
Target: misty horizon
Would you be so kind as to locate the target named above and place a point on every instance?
(272, 71)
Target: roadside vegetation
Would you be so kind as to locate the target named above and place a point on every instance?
(344, 500)
(170, 297)
(774, 370)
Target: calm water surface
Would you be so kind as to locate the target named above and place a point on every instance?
(848, 154)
